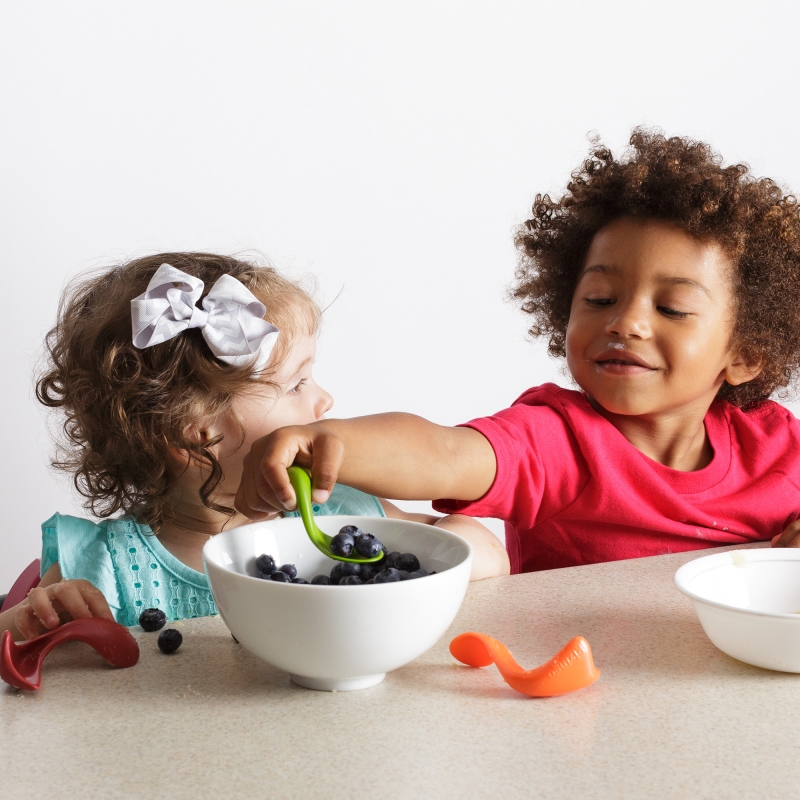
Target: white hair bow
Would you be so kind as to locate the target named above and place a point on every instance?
(231, 320)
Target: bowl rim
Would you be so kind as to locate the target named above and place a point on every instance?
(447, 534)
(697, 566)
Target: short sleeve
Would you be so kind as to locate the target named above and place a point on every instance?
(540, 468)
(81, 549)
(347, 501)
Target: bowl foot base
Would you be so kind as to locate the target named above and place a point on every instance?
(338, 684)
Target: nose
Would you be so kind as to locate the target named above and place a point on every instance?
(323, 404)
(629, 320)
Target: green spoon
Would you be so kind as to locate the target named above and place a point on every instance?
(301, 481)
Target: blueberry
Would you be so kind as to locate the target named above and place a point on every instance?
(368, 546)
(336, 573)
(351, 569)
(391, 559)
(350, 580)
(298, 580)
(169, 640)
(320, 580)
(265, 564)
(280, 577)
(353, 530)
(419, 573)
(152, 619)
(371, 580)
(342, 544)
(369, 571)
(408, 562)
(289, 569)
(404, 573)
(388, 575)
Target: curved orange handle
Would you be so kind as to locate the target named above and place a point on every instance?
(570, 669)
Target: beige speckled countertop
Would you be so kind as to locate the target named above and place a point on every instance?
(670, 717)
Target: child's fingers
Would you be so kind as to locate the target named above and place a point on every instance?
(254, 497)
(73, 597)
(27, 623)
(41, 605)
(789, 538)
(95, 600)
(327, 456)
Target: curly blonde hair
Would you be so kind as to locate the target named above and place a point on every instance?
(681, 181)
(126, 408)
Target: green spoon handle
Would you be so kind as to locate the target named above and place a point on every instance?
(301, 482)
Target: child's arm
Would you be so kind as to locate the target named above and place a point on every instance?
(394, 455)
(489, 560)
(53, 602)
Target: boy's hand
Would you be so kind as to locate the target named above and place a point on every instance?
(265, 486)
(48, 607)
(789, 538)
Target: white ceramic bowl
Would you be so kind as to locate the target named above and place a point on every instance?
(748, 602)
(336, 637)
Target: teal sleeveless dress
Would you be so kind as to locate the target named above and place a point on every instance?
(135, 571)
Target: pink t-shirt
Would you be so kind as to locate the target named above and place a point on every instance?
(572, 490)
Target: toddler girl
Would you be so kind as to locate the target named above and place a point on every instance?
(167, 369)
(671, 285)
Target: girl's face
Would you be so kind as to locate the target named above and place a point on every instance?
(299, 401)
(651, 320)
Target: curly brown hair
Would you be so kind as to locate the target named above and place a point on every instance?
(126, 408)
(683, 182)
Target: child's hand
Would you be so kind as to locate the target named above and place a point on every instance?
(789, 538)
(48, 607)
(265, 486)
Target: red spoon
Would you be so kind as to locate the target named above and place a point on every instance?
(21, 664)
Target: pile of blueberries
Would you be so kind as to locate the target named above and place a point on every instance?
(351, 542)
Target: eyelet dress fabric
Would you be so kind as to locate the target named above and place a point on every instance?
(134, 571)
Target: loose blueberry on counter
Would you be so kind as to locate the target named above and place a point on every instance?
(407, 562)
(350, 580)
(321, 580)
(169, 640)
(152, 619)
(367, 546)
(265, 564)
(279, 577)
(342, 544)
(289, 569)
(388, 575)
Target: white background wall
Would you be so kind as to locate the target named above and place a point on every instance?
(388, 148)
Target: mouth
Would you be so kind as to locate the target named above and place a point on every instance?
(625, 363)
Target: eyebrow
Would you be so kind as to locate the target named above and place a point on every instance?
(673, 280)
(299, 369)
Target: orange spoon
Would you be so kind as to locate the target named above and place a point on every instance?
(21, 664)
(570, 669)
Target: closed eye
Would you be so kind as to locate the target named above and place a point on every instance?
(671, 312)
(599, 302)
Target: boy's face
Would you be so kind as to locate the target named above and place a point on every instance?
(651, 320)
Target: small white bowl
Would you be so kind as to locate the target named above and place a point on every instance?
(748, 602)
(336, 637)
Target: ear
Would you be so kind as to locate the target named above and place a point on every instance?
(741, 371)
(181, 458)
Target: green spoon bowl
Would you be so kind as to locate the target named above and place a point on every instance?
(301, 482)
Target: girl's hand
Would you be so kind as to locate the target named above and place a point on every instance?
(789, 538)
(48, 607)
